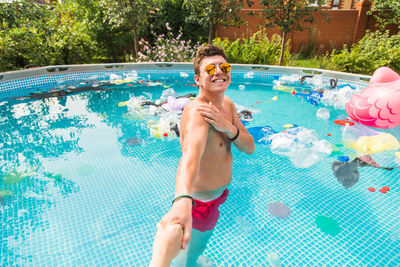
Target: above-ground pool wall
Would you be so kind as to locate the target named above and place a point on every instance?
(23, 82)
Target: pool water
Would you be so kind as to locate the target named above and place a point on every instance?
(84, 184)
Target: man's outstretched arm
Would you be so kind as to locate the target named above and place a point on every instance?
(193, 144)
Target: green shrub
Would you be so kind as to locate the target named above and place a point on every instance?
(374, 50)
(70, 42)
(20, 47)
(22, 35)
(258, 49)
(35, 35)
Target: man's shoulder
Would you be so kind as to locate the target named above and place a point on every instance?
(190, 113)
(228, 100)
(190, 108)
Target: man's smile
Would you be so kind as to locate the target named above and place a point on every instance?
(219, 81)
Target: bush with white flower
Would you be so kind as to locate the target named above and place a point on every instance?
(167, 48)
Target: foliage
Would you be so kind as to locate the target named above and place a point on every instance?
(212, 13)
(258, 49)
(70, 41)
(180, 18)
(22, 35)
(386, 12)
(132, 13)
(289, 15)
(49, 35)
(374, 50)
(22, 13)
(20, 47)
(113, 39)
(309, 49)
(316, 62)
(168, 49)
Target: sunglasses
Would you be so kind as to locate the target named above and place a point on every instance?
(211, 69)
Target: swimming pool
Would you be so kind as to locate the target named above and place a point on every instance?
(84, 182)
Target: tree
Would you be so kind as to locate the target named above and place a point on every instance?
(386, 12)
(177, 13)
(214, 13)
(113, 36)
(289, 15)
(134, 13)
(39, 35)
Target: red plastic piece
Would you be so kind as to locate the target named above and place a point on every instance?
(344, 122)
(382, 191)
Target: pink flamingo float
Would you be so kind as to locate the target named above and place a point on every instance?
(378, 104)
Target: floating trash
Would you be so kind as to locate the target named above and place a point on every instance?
(327, 225)
(323, 113)
(346, 173)
(183, 74)
(274, 259)
(301, 145)
(249, 75)
(278, 209)
(289, 125)
(339, 97)
(134, 141)
(244, 224)
(242, 87)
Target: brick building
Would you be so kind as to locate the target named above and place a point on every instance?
(349, 21)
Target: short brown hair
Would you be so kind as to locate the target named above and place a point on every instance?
(208, 50)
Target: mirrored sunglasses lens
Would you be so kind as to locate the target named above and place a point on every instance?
(210, 69)
(225, 67)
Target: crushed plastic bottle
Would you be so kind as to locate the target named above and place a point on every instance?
(274, 259)
(323, 113)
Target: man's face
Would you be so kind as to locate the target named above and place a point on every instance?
(217, 82)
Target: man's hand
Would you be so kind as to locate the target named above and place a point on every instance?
(180, 213)
(167, 244)
(216, 118)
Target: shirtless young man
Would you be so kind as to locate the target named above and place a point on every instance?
(209, 125)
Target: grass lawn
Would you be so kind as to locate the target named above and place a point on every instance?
(315, 62)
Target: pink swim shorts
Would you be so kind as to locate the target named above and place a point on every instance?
(205, 214)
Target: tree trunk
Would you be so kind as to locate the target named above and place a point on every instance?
(282, 48)
(211, 32)
(135, 40)
(134, 25)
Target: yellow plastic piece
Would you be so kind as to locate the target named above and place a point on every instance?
(118, 82)
(122, 104)
(155, 133)
(275, 98)
(287, 126)
(284, 88)
(376, 144)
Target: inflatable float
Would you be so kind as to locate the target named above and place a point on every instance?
(378, 104)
